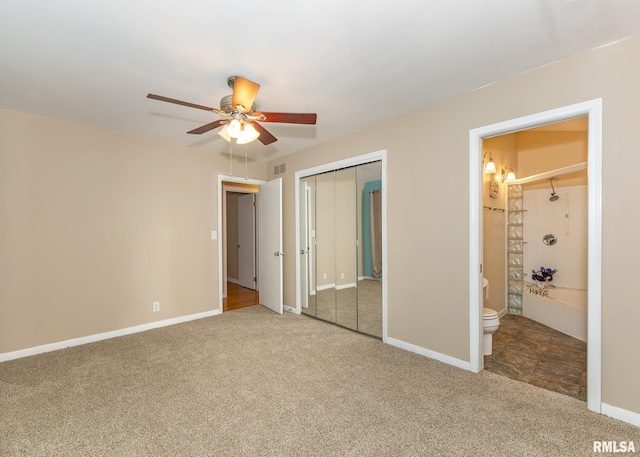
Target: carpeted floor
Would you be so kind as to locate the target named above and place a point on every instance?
(251, 382)
(358, 308)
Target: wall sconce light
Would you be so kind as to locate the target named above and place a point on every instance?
(507, 174)
(490, 167)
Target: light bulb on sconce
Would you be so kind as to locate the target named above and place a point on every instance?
(490, 167)
(507, 174)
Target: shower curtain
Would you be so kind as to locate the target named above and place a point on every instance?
(375, 224)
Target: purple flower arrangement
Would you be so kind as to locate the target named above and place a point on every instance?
(543, 274)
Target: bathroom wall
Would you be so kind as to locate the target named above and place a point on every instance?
(504, 151)
(569, 254)
(529, 152)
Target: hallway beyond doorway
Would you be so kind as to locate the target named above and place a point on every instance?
(239, 297)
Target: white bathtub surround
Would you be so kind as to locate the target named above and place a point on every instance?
(561, 304)
(560, 308)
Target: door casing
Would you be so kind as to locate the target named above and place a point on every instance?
(592, 109)
(350, 162)
(221, 195)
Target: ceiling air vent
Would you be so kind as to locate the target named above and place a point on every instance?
(280, 169)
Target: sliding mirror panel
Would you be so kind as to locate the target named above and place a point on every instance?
(325, 247)
(307, 194)
(345, 249)
(369, 184)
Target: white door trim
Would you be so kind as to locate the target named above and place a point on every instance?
(232, 179)
(350, 162)
(593, 109)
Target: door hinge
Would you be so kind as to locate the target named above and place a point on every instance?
(254, 204)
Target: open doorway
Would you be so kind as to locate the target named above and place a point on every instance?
(535, 256)
(239, 240)
(593, 111)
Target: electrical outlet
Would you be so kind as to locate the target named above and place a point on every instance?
(324, 276)
(341, 275)
(156, 306)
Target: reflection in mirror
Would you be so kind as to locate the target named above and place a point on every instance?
(325, 247)
(345, 248)
(369, 177)
(307, 245)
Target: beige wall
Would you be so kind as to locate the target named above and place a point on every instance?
(95, 225)
(504, 150)
(428, 231)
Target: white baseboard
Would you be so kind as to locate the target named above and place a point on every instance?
(351, 285)
(233, 280)
(429, 353)
(621, 414)
(103, 336)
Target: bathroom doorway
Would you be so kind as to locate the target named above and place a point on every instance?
(535, 255)
(592, 110)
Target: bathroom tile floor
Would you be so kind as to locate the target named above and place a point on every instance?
(528, 351)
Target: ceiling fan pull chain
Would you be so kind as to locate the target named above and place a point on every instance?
(246, 165)
(230, 158)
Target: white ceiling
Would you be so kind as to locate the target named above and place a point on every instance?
(353, 62)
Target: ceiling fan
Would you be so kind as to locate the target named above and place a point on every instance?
(240, 120)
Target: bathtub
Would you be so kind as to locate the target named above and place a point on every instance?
(563, 309)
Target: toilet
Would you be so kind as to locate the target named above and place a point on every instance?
(490, 321)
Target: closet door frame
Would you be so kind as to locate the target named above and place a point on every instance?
(350, 162)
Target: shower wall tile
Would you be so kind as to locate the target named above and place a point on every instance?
(515, 287)
(515, 246)
(515, 218)
(514, 191)
(515, 259)
(516, 273)
(515, 232)
(515, 301)
(515, 204)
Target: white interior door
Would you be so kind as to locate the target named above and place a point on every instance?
(270, 250)
(247, 241)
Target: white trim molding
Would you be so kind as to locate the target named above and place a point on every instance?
(592, 109)
(103, 336)
(228, 179)
(350, 162)
(429, 353)
(621, 414)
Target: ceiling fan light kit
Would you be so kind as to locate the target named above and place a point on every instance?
(239, 116)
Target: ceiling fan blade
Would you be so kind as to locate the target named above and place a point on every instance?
(265, 136)
(178, 102)
(244, 93)
(289, 118)
(207, 127)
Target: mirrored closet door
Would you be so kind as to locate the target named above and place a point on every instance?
(341, 247)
